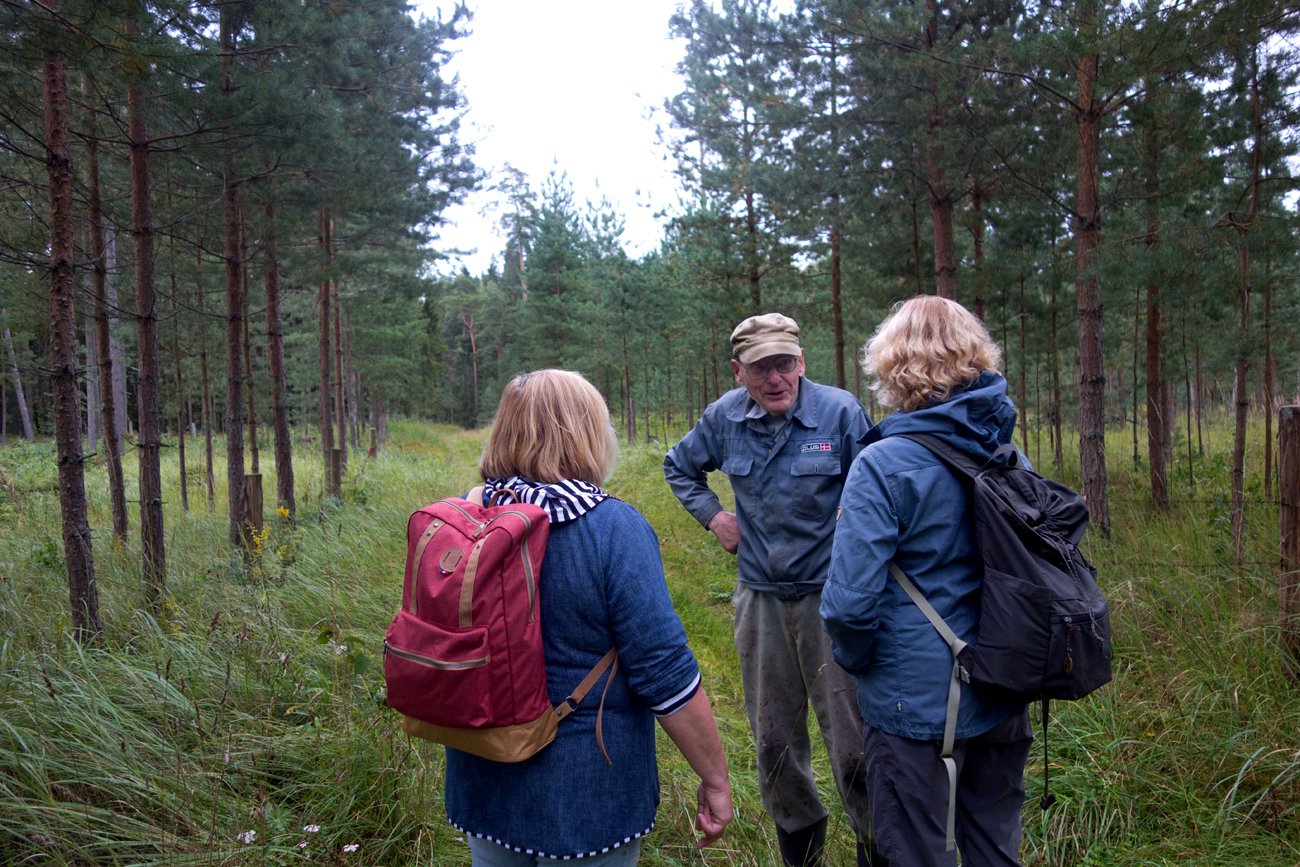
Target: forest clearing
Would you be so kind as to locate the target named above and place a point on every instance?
(253, 702)
(237, 351)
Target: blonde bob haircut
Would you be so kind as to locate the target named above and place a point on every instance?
(550, 425)
(926, 348)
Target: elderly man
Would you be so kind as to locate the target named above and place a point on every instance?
(786, 444)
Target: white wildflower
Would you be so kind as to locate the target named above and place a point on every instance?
(351, 847)
(310, 829)
(340, 650)
(302, 845)
(246, 837)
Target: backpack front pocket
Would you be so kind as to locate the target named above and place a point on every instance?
(438, 674)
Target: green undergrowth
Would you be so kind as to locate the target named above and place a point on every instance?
(244, 723)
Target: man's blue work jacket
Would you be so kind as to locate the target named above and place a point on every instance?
(787, 483)
(902, 503)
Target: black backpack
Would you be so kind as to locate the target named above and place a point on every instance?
(1044, 627)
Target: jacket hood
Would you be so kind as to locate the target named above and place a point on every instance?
(976, 418)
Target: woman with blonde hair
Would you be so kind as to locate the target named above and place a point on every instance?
(934, 362)
(601, 585)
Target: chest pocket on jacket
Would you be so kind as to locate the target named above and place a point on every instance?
(737, 465)
(737, 468)
(816, 487)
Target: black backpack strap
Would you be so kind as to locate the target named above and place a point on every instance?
(958, 461)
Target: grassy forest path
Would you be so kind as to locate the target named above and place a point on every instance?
(251, 713)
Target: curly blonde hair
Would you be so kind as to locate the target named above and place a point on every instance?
(550, 425)
(926, 348)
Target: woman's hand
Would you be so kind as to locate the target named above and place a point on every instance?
(695, 733)
(713, 812)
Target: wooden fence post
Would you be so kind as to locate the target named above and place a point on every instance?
(1288, 466)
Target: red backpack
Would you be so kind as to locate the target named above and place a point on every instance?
(463, 658)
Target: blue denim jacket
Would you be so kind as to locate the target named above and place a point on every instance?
(901, 503)
(787, 484)
(601, 585)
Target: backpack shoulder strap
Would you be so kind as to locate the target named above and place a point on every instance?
(956, 646)
(956, 459)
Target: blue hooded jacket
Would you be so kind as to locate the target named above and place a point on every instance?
(901, 503)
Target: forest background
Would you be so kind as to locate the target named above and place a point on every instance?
(214, 225)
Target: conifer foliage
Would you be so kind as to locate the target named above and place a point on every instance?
(211, 136)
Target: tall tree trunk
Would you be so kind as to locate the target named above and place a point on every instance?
(116, 355)
(340, 409)
(1238, 477)
(275, 361)
(977, 205)
(1057, 446)
(1268, 379)
(1092, 373)
(352, 389)
(23, 415)
(103, 340)
(323, 311)
(254, 462)
(234, 311)
(837, 315)
(82, 592)
(206, 410)
(180, 384)
(1156, 418)
(148, 439)
(945, 261)
(1023, 399)
(94, 404)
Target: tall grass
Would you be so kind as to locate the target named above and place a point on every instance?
(253, 702)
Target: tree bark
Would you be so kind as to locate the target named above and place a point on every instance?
(836, 311)
(1289, 532)
(323, 310)
(1092, 373)
(977, 231)
(94, 404)
(1238, 475)
(1156, 417)
(180, 385)
(340, 408)
(23, 415)
(234, 312)
(148, 439)
(82, 591)
(1268, 379)
(253, 454)
(275, 361)
(945, 262)
(206, 410)
(104, 359)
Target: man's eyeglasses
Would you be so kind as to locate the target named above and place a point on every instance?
(760, 369)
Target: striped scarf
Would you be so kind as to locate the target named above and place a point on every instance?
(562, 501)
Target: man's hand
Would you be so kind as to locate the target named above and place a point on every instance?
(723, 525)
(713, 812)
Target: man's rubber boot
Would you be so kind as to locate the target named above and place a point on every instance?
(803, 848)
(869, 856)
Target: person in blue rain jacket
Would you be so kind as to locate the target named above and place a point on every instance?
(935, 363)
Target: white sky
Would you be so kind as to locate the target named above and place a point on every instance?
(574, 85)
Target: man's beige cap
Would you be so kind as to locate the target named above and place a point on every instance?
(763, 336)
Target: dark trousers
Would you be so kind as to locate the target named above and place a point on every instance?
(907, 787)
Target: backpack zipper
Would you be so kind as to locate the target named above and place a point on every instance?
(431, 662)
(528, 561)
(472, 519)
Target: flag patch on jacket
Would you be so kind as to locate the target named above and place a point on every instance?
(816, 447)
